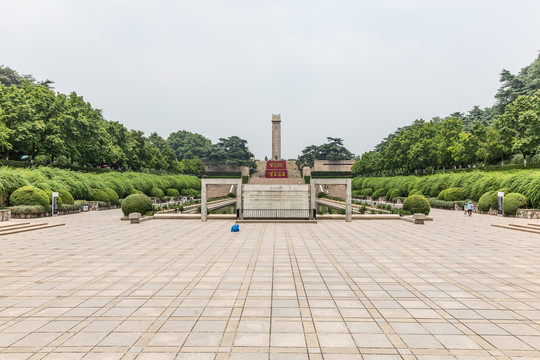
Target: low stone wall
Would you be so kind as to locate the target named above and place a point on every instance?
(528, 213)
(5, 215)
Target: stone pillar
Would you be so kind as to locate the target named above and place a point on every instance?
(204, 201)
(348, 201)
(276, 137)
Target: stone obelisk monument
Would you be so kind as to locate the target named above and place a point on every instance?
(276, 137)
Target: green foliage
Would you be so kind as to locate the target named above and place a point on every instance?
(172, 192)
(80, 185)
(66, 197)
(378, 193)
(29, 195)
(513, 202)
(483, 136)
(356, 193)
(99, 195)
(307, 179)
(231, 195)
(332, 150)
(136, 203)
(484, 201)
(28, 209)
(367, 192)
(135, 191)
(417, 204)
(321, 194)
(391, 194)
(156, 193)
(452, 194)
(113, 196)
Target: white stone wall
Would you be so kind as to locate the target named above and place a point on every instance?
(275, 196)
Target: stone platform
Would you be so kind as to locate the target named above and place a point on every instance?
(101, 288)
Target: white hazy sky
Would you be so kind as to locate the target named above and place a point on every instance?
(350, 69)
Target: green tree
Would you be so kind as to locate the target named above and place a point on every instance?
(520, 125)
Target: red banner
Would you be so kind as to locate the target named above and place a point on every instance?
(276, 165)
(275, 174)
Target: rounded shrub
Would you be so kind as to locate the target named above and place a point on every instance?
(136, 203)
(378, 193)
(100, 195)
(231, 195)
(356, 193)
(156, 193)
(66, 197)
(417, 204)
(367, 192)
(452, 194)
(484, 201)
(134, 191)
(415, 192)
(513, 202)
(29, 195)
(114, 199)
(392, 193)
(172, 192)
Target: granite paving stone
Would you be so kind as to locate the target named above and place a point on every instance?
(102, 289)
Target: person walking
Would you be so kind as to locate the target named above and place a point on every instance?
(470, 208)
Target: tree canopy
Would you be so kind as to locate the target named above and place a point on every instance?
(65, 129)
(332, 150)
(509, 130)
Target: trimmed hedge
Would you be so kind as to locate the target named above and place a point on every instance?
(156, 193)
(367, 192)
(172, 192)
(378, 193)
(417, 204)
(474, 183)
(80, 185)
(136, 203)
(100, 195)
(28, 209)
(66, 197)
(29, 195)
(452, 194)
(321, 194)
(391, 194)
(114, 199)
(513, 202)
(484, 203)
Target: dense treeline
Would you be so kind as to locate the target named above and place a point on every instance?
(507, 131)
(472, 184)
(48, 127)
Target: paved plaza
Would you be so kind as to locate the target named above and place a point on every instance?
(99, 288)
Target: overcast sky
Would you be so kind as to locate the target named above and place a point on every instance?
(350, 69)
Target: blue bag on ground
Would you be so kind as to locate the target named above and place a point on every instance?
(235, 228)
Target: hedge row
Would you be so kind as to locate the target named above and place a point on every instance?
(80, 185)
(473, 184)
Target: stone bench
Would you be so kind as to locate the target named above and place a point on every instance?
(135, 218)
(419, 218)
